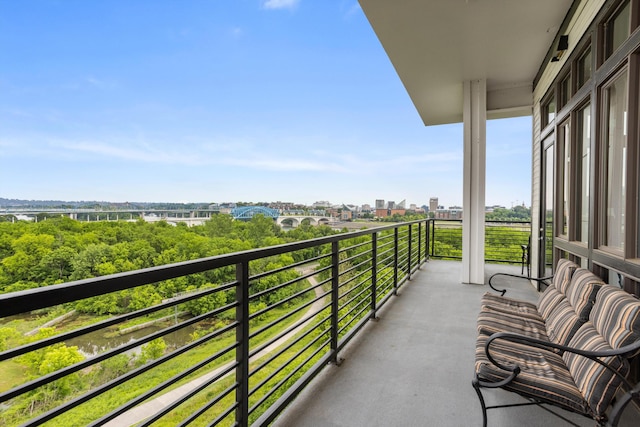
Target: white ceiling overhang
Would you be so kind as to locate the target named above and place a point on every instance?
(436, 45)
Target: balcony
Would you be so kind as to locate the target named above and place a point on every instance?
(265, 343)
(413, 367)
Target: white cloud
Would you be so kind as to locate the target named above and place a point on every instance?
(100, 83)
(280, 4)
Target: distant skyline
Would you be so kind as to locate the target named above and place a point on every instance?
(228, 100)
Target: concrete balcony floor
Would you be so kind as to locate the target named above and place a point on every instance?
(414, 366)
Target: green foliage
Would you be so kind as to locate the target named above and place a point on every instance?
(517, 213)
(151, 350)
(6, 335)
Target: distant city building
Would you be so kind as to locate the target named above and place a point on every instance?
(433, 204)
(401, 205)
(366, 208)
(454, 212)
(391, 204)
(382, 213)
(380, 204)
(321, 204)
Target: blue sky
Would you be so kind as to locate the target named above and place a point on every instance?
(223, 100)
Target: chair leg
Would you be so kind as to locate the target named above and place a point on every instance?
(476, 385)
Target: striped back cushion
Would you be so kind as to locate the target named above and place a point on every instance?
(562, 323)
(563, 273)
(549, 300)
(582, 291)
(616, 316)
(596, 383)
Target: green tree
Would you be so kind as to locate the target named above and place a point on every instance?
(151, 350)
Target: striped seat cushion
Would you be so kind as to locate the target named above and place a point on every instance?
(563, 323)
(563, 273)
(508, 305)
(582, 292)
(616, 316)
(597, 384)
(548, 301)
(543, 375)
(490, 322)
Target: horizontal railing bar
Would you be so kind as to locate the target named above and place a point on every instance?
(46, 379)
(355, 288)
(287, 377)
(141, 398)
(286, 364)
(349, 335)
(385, 288)
(282, 302)
(355, 267)
(195, 415)
(386, 273)
(354, 246)
(357, 258)
(169, 407)
(387, 296)
(257, 295)
(287, 267)
(382, 245)
(286, 347)
(263, 346)
(283, 318)
(274, 410)
(45, 342)
(224, 415)
(48, 296)
(351, 310)
(119, 380)
(357, 276)
(388, 261)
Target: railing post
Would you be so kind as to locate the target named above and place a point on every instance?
(433, 237)
(419, 244)
(409, 254)
(335, 295)
(242, 337)
(395, 261)
(374, 274)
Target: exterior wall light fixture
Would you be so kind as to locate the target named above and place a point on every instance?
(563, 45)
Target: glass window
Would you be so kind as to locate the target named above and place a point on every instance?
(565, 91)
(584, 67)
(583, 154)
(549, 111)
(547, 232)
(618, 28)
(614, 156)
(564, 147)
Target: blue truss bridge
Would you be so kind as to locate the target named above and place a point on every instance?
(247, 212)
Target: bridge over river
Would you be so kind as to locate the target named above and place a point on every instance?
(171, 216)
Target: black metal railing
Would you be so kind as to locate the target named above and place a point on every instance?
(254, 340)
(505, 241)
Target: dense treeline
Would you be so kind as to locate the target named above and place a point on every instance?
(59, 250)
(516, 213)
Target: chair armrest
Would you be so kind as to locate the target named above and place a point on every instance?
(517, 276)
(545, 345)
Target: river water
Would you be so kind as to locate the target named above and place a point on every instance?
(100, 341)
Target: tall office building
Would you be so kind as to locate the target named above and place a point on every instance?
(433, 204)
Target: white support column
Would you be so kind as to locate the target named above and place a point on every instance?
(475, 142)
